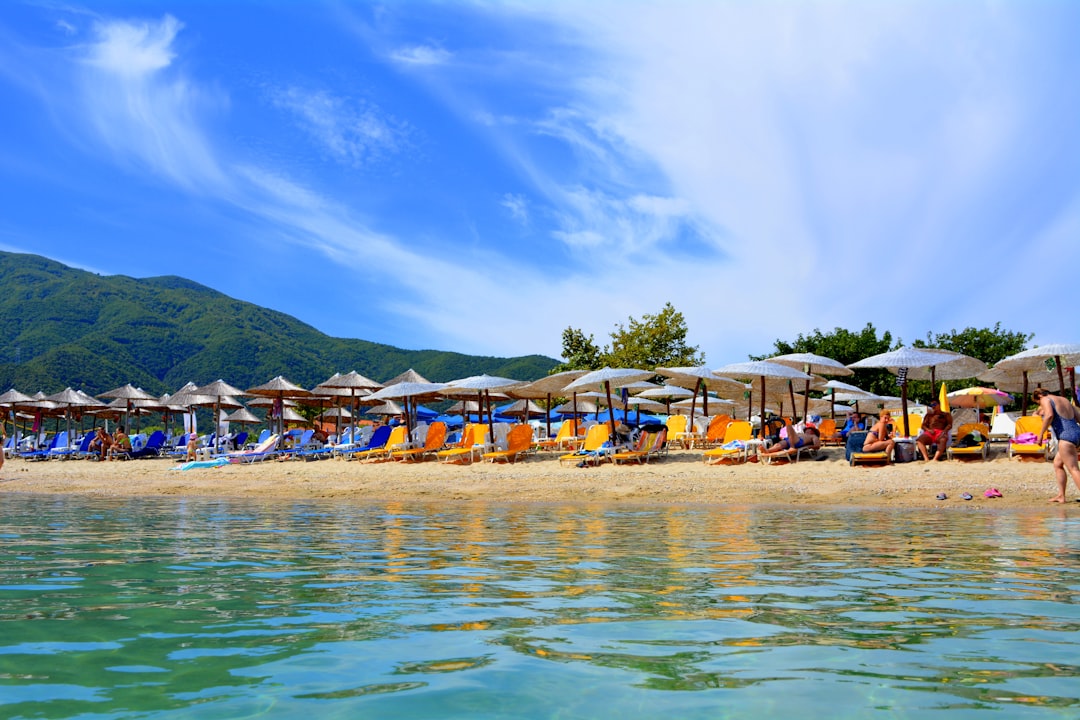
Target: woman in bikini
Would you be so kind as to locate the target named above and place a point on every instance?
(809, 438)
(1060, 415)
(879, 439)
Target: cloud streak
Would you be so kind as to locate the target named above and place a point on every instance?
(353, 133)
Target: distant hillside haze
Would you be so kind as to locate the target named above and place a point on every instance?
(63, 327)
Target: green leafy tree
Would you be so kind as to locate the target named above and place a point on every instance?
(646, 343)
(652, 341)
(987, 344)
(846, 346)
(580, 352)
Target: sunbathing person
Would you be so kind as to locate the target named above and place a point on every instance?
(809, 438)
(880, 437)
(935, 431)
(121, 443)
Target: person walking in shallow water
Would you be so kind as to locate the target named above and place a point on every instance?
(1060, 415)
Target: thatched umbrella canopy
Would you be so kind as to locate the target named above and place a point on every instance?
(702, 380)
(67, 399)
(547, 387)
(921, 363)
(353, 385)
(408, 391)
(128, 393)
(482, 386)
(279, 388)
(813, 365)
(605, 379)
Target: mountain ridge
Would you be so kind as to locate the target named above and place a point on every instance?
(61, 327)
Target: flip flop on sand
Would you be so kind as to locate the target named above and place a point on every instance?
(942, 496)
(993, 493)
(966, 496)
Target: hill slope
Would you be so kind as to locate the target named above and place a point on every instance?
(61, 327)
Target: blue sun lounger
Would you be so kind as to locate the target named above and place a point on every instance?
(378, 440)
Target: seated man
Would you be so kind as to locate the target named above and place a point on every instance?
(809, 438)
(854, 422)
(100, 444)
(879, 439)
(935, 431)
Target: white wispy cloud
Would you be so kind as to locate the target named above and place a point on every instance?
(517, 206)
(353, 132)
(141, 108)
(137, 49)
(819, 148)
(422, 55)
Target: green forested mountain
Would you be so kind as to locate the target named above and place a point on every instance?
(62, 327)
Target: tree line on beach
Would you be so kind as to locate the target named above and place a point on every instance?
(660, 340)
(64, 327)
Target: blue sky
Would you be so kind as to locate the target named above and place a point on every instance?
(477, 176)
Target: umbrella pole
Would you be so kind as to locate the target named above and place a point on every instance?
(491, 419)
(1061, 375)
(762, 402)
(611, 411)
(806, 400)
(791, 392)
(1023, 402)
(903, 404)
(832, 403)
(693, 400)
(547, 415)
(1072, 385)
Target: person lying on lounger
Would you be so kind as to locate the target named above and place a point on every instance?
(809, 438)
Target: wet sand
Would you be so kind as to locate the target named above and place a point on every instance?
(681, 477)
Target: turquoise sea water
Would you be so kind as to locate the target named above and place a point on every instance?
(232, 609)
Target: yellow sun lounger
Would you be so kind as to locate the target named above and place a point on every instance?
(518, 443)
(977, 452)
(649, 445)
(1029, 425)
(566, 439)
(734, 449)
(433, 441)
(472, 442)
(593, 450)
(396, 439)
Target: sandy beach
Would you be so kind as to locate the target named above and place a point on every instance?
(679, 478)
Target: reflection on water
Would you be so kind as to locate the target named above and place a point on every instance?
(231, 609)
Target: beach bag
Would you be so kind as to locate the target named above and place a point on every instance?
(969, 440)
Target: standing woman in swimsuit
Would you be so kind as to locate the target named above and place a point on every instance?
(1059, 414)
